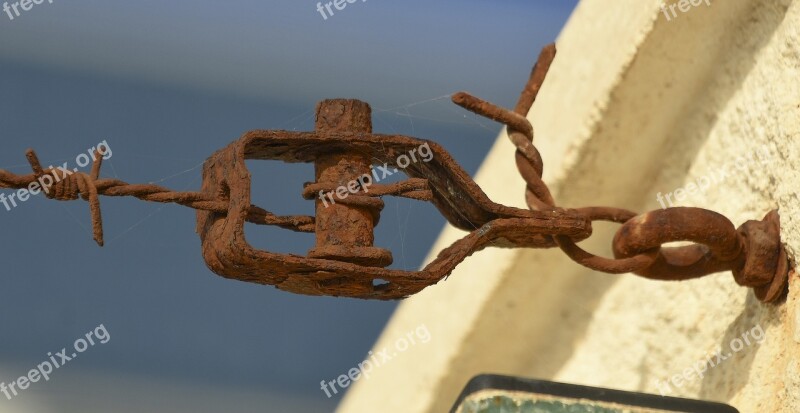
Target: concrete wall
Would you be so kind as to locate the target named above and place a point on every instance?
(635, 105)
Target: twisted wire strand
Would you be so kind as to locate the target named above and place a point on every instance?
(651, 261)
(71, 185)
(530, 166)
(414, 188)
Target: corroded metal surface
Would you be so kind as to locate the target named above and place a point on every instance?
(344, 261)
(346, 232)
(452, 191)
(753, 253)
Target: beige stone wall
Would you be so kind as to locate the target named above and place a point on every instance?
(634, 105)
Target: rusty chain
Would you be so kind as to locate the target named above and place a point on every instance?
(753, 252)
(344, 261)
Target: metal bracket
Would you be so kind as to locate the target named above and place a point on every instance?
(344, 261)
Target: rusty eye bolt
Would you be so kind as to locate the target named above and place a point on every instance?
(344, 261)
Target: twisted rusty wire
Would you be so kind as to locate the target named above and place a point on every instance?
(530, 166)
(344, 261)
(718, 245)
(413, 188)
(71, 185)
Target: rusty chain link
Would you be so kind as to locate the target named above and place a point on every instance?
(757, 260)
(344, 261)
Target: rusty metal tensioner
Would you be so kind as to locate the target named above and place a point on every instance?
(344, 261)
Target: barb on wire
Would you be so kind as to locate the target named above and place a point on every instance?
(344, 261)
(70, 187)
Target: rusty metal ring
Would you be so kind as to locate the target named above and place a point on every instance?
(718, 246)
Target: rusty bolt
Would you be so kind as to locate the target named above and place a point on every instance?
(344, 261)
(766, 266)
(345, 230)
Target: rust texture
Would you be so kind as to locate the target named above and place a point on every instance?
(345, 231)
(753, 252)
(344, 261)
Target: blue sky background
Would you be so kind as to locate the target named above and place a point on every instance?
(169, 83)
